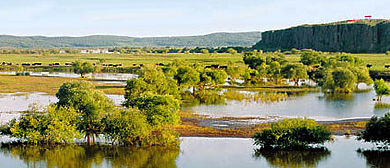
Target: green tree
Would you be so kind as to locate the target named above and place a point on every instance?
(381, 89)
(58, 126)
(295, 72)
(377, 130)
(340, 80)
(160, 110)
(150, 80)
(275, 71)
(292, 134)
(82, 68)
(311, 57)
(127, 126)
(232, 51)
(92, 105)
(204, 51)
(234, 71)
(187, 76)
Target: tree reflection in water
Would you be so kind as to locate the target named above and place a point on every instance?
(65, 156)
(290, 159)
(379, 159)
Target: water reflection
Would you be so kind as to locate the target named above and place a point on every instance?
(312, 105)
(378, 159)
(64, 156)
(279, 158)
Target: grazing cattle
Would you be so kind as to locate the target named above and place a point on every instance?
(368, 65)
(316, 66)
(224, 67)
(141, 65)
(119, 65)
(94, 64)
(26, 64)
(134, 64)
(10, 63)
(387, 66)
(161, 64)
(110, 65)
(215, 66)
(68, 63)
(56, 64)
(36, 63)
(208, 66)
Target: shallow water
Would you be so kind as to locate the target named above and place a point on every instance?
(193, 152)
(105, 76)
(312, 105)
(13, 102)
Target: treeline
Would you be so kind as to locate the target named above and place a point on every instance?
(129, 50)
(211, 40)
(334, 72)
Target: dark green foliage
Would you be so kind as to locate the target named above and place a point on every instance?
(377, 130)
(292, 134)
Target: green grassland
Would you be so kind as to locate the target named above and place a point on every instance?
(378, 61)
(125, 59)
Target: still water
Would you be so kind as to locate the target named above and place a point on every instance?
(13, 102)
(105, 76)
(194, 152)
(312, 105)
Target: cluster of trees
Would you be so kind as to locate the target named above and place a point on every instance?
(339, 73)
(84, 112)
(292, 134)
(38, 51)
(274, 67)
(186, 50)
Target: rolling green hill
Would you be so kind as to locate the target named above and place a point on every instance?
(210, 40)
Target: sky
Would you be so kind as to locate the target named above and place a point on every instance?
(147, 18)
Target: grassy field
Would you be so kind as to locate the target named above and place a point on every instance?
(49, 85)
(378, 61)
(125, 59)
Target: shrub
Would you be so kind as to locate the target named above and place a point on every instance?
(377, 130)
(292, 134)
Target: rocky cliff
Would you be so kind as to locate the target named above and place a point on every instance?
(358, 37)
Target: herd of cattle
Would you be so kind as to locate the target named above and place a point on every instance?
(214, 66)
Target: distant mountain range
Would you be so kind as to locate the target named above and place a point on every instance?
(211, 40)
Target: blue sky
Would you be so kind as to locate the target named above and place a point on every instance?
(143, 18)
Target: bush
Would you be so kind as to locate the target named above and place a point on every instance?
(292, 134)
(377, 130)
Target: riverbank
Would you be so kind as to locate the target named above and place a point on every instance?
(202, 126)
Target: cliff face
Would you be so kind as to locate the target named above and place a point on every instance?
(353, 38)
